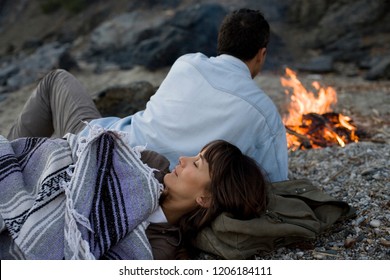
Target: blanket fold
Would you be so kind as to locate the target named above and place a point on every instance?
(75, 198)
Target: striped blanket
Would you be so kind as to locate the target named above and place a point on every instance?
(75, 198)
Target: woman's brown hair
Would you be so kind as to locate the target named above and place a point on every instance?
(238, 187)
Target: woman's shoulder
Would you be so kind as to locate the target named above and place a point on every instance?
(164, 239)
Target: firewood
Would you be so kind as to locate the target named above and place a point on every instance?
(304, 139)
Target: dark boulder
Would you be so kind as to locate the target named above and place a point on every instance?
(130, 39)
(122, 101)
(380, 70)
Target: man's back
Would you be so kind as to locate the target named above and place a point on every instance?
(205, 99)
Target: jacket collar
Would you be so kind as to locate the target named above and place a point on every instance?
(235, 62)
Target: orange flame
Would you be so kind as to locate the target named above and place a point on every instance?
(306, 103)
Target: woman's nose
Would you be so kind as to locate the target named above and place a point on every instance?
(182, 161)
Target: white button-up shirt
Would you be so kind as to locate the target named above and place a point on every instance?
(204, 99)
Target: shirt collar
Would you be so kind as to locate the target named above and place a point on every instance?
(235, 62)
(157, 216)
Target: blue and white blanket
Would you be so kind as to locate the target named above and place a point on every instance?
(75, 198)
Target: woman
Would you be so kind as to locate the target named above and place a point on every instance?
(219, 179)
(94, 198)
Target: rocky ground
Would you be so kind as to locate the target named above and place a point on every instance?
(358, 174)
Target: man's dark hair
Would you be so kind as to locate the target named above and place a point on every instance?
(243, 33)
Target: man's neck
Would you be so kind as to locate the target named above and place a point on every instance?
(252, 67)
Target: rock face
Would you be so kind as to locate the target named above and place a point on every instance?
(343, 36)
(129, 40)
(352, 32)
(27, 68)
(122, 101)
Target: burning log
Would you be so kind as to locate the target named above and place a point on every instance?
(322, 130)
(305, 141)
(310, 123)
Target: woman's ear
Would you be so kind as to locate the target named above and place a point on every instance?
(204, 201)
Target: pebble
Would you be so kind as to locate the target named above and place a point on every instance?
(375, 223)
(349, 242)
(300, 254)
(319, 256)
(359, 220)
(385, 242)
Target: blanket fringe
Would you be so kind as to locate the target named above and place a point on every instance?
(78, 247)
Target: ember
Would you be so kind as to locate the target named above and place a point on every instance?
(310, 122)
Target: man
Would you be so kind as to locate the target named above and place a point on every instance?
(200, 100)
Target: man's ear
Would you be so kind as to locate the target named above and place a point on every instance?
(203, 201)
(261, 54)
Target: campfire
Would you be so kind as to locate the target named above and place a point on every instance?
(310, 122)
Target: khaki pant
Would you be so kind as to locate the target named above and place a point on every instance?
(58, 105)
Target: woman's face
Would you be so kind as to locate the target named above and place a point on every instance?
(189, 179)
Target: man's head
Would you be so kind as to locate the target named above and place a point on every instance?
(244, 34)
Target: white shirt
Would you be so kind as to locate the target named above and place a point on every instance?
(204, 99)
(157, 216)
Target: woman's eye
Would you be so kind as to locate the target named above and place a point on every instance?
(196, 161)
